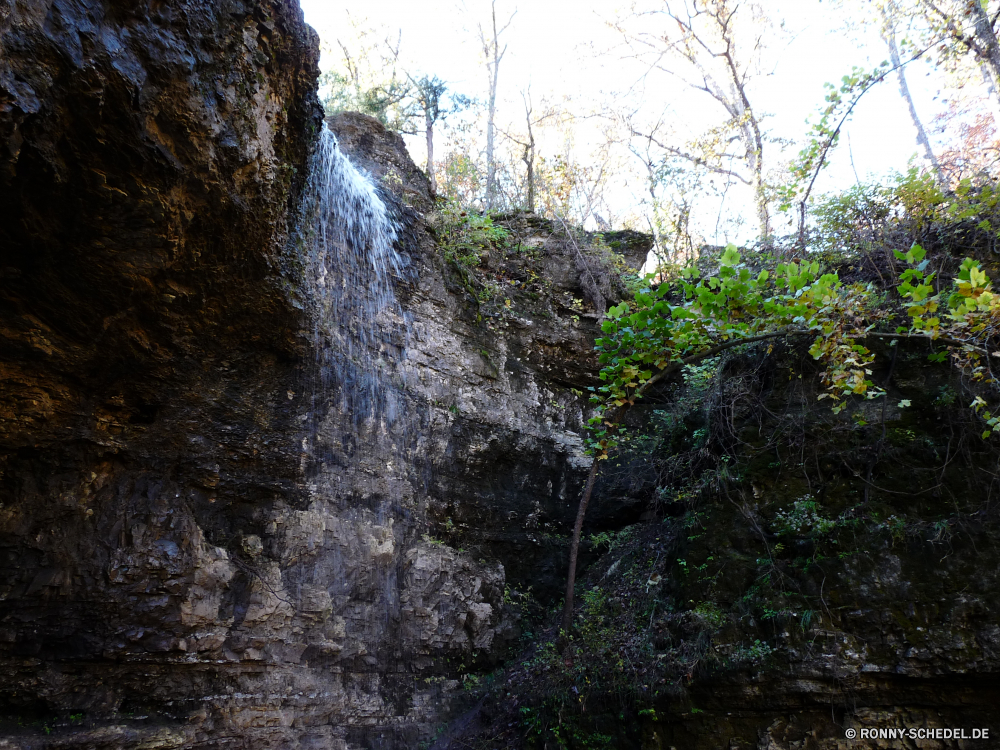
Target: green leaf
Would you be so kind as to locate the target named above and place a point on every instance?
(730, 257)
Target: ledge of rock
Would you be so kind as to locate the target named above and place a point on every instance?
(179, 565)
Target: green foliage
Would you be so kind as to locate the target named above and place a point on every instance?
(710, 614)
(825, 132)
(368, 79)
(779, 507)
(700, 314)
(605, 666)
(390, 101)
(852, 218)
(562, 732)
(661, 328)
(752, 654)
(968, 311)
(429, 91)
(804, 518)
(460, 177)
(610, 540)
(912, 202)
(465, 236)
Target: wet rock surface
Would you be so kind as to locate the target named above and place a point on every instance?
(197, 546)
(200, 547)
(152, 155)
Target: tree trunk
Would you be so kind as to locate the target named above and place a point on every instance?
(752, 137)
(531, 181)
(987, 38)
(889, 36)
(491, 168)
(529, 163)
(994, 98)
(760, 198)
(755, 160)
(430, 152)
(491, 49)
(574, 549)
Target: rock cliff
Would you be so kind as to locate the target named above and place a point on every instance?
(809, 577)
(200, 546)
(250, 497)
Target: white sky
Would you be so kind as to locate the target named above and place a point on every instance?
(566, 47)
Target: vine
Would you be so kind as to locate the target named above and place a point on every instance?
(676, 324)
(669, 326)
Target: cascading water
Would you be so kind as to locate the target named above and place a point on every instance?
(360, 331)
(358, 434)
(373, 592)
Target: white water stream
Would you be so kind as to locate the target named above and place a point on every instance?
(358, 429)
(352, 263)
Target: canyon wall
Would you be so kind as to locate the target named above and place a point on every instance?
(200, 544)
(241, 507)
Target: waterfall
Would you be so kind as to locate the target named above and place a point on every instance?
(357, 448)
(348, 240)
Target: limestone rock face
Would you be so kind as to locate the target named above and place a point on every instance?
(198, 545)
(152, 152)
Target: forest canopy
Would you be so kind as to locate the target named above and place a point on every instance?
(681, 118)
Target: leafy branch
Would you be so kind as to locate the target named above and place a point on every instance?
(824, 135)
(672, 326)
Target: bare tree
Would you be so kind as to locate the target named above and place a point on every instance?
(700, 44)
(672, 190)
(888, 32)
(528, 145)
(529, 153)
(963, 33)
(576, 190)
(491, 50)
(428, 92)
(367, 80)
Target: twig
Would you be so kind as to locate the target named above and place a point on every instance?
(833, 137)
(617, 414)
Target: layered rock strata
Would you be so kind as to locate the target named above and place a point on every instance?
(198, 547)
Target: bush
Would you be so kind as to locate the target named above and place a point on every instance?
(467, 237)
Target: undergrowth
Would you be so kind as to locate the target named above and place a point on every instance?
(780, 525)
(498, 262)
